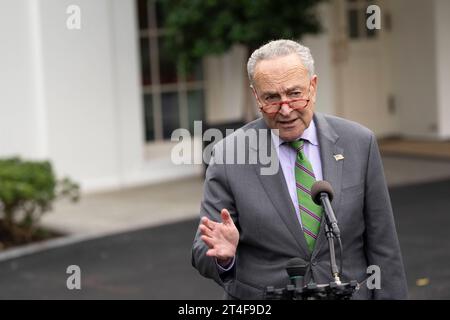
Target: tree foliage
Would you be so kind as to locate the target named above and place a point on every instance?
(196, 28)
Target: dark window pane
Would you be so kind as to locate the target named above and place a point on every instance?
(167, 66)
(196, 74)
(170, 113)
(353, 23)
(142, 14)
(145, 62)
(149, 118)
(196, 109)
(159, 14)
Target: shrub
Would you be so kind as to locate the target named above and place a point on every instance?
(27, 191)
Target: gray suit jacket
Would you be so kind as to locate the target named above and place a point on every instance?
(271, 235)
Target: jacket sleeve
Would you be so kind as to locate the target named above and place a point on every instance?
(381, 242)
(216, 196)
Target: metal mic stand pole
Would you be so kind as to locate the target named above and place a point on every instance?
(334, 267)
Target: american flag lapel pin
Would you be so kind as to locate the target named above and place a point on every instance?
(338, 157)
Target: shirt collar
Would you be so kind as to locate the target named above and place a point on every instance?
(310, 135)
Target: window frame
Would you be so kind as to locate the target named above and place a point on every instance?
(156, 89)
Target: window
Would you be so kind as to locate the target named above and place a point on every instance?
(170, 99)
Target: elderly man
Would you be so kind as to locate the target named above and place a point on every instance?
(253, 224)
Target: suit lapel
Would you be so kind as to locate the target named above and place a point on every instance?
(331, 170)
(277, 191)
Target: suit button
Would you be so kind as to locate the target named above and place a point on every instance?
(314, 263)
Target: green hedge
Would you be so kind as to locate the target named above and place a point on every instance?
(28, 189)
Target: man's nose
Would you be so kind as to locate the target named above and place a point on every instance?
(285, 109)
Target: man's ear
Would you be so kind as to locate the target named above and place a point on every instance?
(254, 92)
(314, 88)
(256, 96)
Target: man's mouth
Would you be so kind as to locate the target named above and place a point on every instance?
(287, 122)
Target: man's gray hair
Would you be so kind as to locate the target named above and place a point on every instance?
(280, 48)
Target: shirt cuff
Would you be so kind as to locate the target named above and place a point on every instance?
(227, 267)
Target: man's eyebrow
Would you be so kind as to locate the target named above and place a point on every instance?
(294, 88)
(272, 93)
(269, 93)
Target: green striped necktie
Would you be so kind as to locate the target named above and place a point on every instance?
(310, 213)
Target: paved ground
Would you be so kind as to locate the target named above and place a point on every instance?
(423, 219)
(132, 208)
(420, 148)
(154, 263)
(404, 170)
(144, 264)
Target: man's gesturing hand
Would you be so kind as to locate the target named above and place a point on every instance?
(221, 238)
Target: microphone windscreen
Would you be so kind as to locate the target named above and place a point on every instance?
(319, 187)
(296, 267)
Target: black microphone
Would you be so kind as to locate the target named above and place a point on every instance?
(322, 194)
(296, 269)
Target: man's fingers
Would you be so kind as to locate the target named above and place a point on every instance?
(211, 253)
(226, 217)
(204, 230)
(208, 222)
(209, 241)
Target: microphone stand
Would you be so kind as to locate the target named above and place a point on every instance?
(334, 267)
(335, 290)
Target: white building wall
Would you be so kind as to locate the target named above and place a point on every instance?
(321, 49)
(129, 115)
(442, 40)
(94, 99)
(226, 86)
(17, 109)
(414, 68)
(79, 92)
(74, 96)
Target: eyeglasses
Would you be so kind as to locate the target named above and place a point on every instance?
(273, 107)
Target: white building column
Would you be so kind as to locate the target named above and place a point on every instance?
(442, 40)
(38, 78)
(322, 52)
(19, 133)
